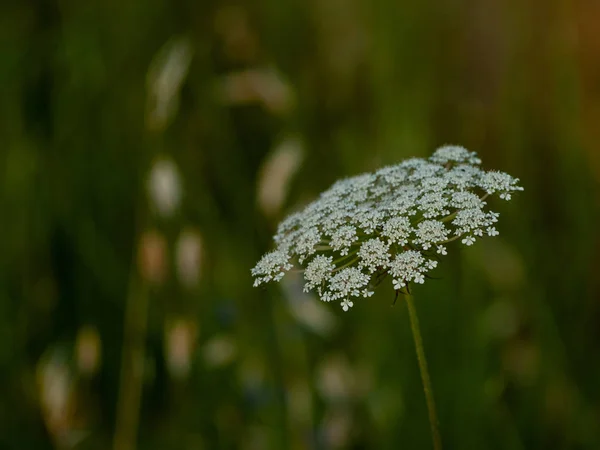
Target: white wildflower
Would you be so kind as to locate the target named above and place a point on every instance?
(467, 220)
(493, 181)
(433, 204)
(335, 221)
(463, 176)
(391, 175)
(349, 282)
(164, 186)
(455, 154)
(342, 239)
(430, 232)
(373, 255)
(389, 222)
(369, 218)
(434, 184)
(271, 267)
(397, 230)
(424, 170)
(468, 241)
(491, 231)
(410, 266)
(466, 200)
(347, 304)
(318, 271)
(305, 244)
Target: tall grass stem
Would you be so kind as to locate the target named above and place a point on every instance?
(416, 331)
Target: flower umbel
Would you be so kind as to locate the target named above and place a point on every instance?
(396, 221)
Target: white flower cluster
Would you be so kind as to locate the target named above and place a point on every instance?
(391, 222)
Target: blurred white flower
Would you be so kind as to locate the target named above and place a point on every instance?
(188, 254)
(180, 343)
(152, 257)
(312, 315)
(220, 351)
(58, 400)
(335, 379)
(265, 86)
(396, 221)
(164, 186)
(337, 428)
(88, 349)
(165, 77)
(276, 173)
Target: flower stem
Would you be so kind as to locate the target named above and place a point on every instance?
(416, 331)
(132, 366)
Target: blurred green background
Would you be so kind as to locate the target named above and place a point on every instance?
(148, 151)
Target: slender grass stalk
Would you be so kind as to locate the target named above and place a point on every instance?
(416, 331)
(132, 367)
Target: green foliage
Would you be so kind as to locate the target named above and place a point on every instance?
(91, 276)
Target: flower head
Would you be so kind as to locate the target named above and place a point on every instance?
(164, 187)
(395, 221)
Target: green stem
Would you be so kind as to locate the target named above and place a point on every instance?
(135, 326)
(349, 263)
(349, 255)
(416, 331)
(452, 239)
(132, 366)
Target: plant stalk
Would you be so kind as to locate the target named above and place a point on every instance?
(132, 367)
(416, 331)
